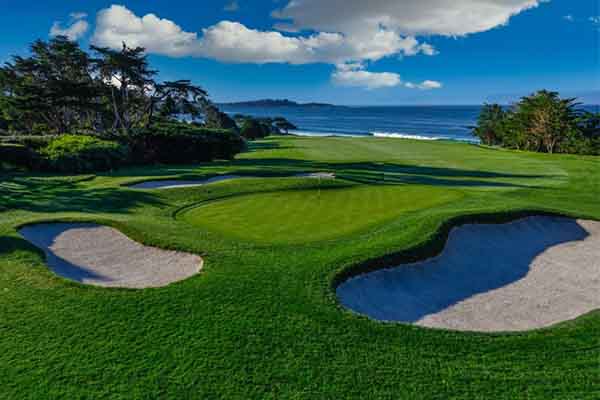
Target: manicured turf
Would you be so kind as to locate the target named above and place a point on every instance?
(261, 321)
(310, 215)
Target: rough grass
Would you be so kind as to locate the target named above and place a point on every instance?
(261, 321)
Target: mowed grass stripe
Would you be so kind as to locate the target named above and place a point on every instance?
(310, 215)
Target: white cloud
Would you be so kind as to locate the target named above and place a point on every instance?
(74, 31)
(406, 17)
(345, 33)
(78, 15)
(117, 24)
(365, 79)
(232, 6)
(569, 18)
(353, 74)
(234, 42)
(356, 75)
(425, 85)
(595, 19)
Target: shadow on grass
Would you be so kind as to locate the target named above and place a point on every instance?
(39, 194)
(386, 173)
(11, 244)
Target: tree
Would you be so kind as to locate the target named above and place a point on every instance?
(491, 124)
(53, 87)
(252, 129)
(216, 119)
(130, 80)
(176, 98)
(546, 120)
(284, 125)
(541, 122)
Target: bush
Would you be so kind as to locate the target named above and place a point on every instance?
(16, 155)
(78, 154)
(252, 129)
(33, 142)
(177, 143)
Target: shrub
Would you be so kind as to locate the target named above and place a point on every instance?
(252, 129)
(177, 143)
(34, 142)
(79, 153)
(16, 155)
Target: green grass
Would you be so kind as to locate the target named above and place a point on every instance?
(261, 321)
(301, 216)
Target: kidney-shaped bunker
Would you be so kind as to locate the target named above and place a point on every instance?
(102, 256)
(530, 273)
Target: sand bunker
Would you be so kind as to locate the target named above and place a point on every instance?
(530, 273)
(102, 256)
(173, 183)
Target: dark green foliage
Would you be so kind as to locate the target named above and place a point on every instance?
(252, 129)
(16, 155)
(284, 125)
(53, 87)
(177, 143)
(34, 142)
(491, 124)
(542, 122)
(216, 119)
(79, 153)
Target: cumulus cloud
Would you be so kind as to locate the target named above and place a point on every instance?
(75, 30)
(425, 85)
(117, 24)
(234, 42)
(338, 32)
(354, 75)
(408, 17)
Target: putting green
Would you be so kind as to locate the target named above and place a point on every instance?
(312, 215)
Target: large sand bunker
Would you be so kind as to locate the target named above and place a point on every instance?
(102, 256)
(174, 183)
(530, 273)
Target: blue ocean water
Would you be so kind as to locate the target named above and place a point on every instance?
(413, 122)
(418, 122)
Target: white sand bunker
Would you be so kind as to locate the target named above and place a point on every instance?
(102, 256)
(530, 273)
(174, 183)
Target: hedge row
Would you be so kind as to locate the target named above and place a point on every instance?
(171, 143)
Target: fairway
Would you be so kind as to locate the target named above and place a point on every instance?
(310, 215)
(261, 319)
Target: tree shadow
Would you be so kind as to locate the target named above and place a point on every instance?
(476, 259)
(42, 194)
(384, 173)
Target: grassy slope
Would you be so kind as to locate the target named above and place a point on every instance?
(261, 321)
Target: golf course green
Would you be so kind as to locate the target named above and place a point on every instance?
(261, 320)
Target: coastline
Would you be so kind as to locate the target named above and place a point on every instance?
(393, 135)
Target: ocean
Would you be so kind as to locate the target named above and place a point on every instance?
(416, 122)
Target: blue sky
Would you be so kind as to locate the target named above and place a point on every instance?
(344, 52)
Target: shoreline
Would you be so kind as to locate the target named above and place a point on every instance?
(394, 135)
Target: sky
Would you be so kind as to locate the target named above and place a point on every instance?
(354, 52)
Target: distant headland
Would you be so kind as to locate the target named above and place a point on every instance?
(274, 103)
